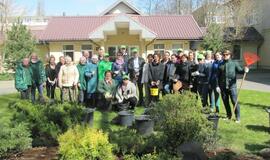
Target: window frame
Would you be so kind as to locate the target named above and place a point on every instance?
(64, 51)
(159, 49)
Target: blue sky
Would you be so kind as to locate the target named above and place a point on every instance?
(70, 7)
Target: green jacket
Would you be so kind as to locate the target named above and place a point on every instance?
(103, 87)
(103, 66)
(227, 72)
(82, 81)
(38, 71)
(23, 77)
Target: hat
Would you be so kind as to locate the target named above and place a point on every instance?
(200, 56)
(123, 46)
(106, 55)
(179, 50)
(134, 50)
(125, 77)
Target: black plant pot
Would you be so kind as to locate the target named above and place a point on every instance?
(214, 119)
(144, 125)
(126, 118)
(123, 106)
(268, 111)
(89, 116)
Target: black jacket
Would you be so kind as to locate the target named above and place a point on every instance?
(131, 69)
(183, 72)
(156, 72)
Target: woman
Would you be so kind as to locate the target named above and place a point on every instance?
(183, 73)
(68, 80)
(156, 75)
(119, 67)
(169, 74)
(51, 75)
(92, 79)
(103, 66)
(82, 81)
(107, 88)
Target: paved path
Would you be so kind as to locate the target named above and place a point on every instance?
(7, 87)
(255, 80)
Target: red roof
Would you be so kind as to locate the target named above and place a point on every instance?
(79, 27)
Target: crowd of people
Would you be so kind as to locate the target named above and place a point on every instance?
(127, 82)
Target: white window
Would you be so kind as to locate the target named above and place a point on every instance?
(175, 48)
(159, 48)
(68, 50)
(87, 47)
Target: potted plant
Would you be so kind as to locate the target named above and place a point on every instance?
(144, 124)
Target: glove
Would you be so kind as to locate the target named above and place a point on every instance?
(116, 72)
(153, 83)
(246, 69)
(190, 86)
(195, 73)
(218, 89)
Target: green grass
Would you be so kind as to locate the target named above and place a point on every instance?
(6, 76)
(249, 136)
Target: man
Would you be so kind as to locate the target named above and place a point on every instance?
(101, 52)
(23, 80)
(38, 77)
(82, 81)
(87, 56)
(166, 58)
(59, 64)
(124, 52)
(145, 79)
(126, 93)
(135, 70)
(68, 80)
(227, 71)
(103, 66)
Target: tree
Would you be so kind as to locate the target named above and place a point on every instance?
(213, 39)
(19, 44)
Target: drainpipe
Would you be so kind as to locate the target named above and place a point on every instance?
(149, 44)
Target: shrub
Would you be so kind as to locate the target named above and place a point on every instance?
(14, 139)
(179, 117)
(47, 122)
(153, 156)
(85, 143)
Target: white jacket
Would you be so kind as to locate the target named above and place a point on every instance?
(129, 91)
(68, 75)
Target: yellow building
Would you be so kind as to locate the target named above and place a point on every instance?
(120, 24)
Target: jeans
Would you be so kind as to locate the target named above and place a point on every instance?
(214, 98)
(50, 90)
(203, 92)
(232, 94)
(33, 92)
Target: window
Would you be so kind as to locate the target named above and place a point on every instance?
(175, 47)
(68, 50)
(159, 48)
(112, 50)
(87, 47)
(236, 52)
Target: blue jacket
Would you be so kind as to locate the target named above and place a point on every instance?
(213, 81)
(91, 74)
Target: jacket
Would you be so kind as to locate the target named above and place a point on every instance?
(119, 69)
(38, 72)
(104, 87)
(183, 72)
(82, 79)
(169, 73)
(103, 66)
(68, 75)
(126, 93)
(132, 71)
(91, 77)
(23, 77)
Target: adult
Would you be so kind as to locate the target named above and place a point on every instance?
(68, 80)
(126, 93)
(123, 50)
(91, 74)
(103, 66)
(82, 80)
(169, 74)
(183, 73)
(23, 78)
(51, 75)
(213, 83)
(38, 77)
(156, 75)
(166, 57)
(60, 64)
(107, 88)
(145, 79)
(119, 67)
(87, 56)
(227, 71)
(135, 70)
(101, 52)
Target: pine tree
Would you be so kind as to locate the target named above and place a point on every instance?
(19, 44)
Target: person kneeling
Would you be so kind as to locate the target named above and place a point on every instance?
(126, 94)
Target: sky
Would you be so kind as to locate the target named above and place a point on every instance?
(70, 7)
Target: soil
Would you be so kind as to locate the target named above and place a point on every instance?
(40, 153)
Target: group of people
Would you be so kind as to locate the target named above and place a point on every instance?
(98, 81)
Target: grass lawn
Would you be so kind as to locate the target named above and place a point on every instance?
(249, 136)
